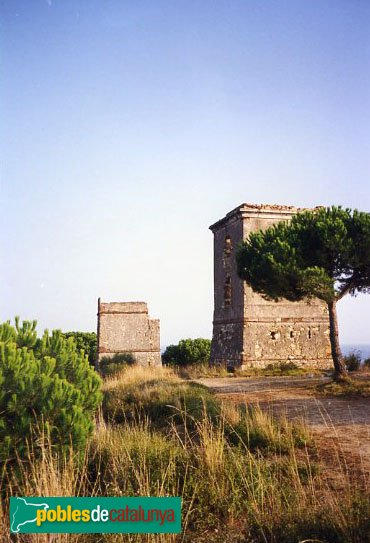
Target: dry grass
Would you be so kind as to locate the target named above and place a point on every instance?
(242, 475)
(139, 375)
(49, 475)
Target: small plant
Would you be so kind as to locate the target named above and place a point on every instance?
(112, 365)
(353, 361)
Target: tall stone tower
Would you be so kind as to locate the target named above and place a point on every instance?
(249, 331)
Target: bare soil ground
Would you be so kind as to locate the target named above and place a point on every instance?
(340, 426)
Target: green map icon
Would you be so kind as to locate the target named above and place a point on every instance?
(94, 515)
(24, 512)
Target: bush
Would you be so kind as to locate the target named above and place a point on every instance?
(188, 351)
(353, 361)
(111, 365)
(47, 386)
(85, 341)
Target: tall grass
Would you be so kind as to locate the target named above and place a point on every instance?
(46, 473)
(243, 476)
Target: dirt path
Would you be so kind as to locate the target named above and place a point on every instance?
(338, 424)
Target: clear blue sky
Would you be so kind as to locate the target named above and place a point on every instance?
(128, 127)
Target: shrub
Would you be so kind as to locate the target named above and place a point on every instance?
(111, 365)
(85, 341)
(47, 385)
(188, 351)
(353, 361)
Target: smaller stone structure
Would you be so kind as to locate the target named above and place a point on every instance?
(125, 327)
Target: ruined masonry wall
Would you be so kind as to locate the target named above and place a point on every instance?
(125, 327)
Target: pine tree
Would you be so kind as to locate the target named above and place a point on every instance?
(324, 253)
(46, 385)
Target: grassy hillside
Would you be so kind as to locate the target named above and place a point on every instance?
(243, 476)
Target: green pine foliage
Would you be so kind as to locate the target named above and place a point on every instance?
(324, 253)
(85, 341)
(46, 386)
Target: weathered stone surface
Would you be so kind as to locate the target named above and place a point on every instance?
(249, 331)
(125, 327)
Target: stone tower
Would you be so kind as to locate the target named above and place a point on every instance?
(125, 327)
(249, 331)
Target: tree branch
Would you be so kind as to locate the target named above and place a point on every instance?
(348, 286)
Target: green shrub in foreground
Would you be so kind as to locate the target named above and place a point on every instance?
(47, 385)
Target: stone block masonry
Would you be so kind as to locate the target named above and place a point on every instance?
(125, 327)
(249, 331)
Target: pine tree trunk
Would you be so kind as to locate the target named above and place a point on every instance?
(339, 366)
